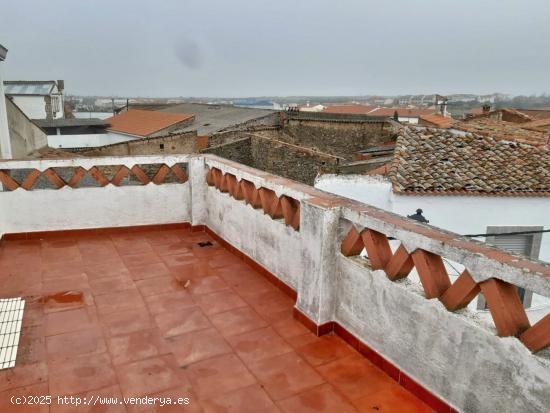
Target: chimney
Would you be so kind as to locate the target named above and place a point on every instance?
(486, 108)
(61, 85)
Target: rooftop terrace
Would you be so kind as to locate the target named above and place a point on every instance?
(301, 303)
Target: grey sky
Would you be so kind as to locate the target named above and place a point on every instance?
(284, 47)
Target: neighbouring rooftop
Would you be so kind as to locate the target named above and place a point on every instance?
(29, 87)
(145, 122)
(436, 162)
(152, 313)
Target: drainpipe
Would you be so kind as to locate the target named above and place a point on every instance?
(5, 143)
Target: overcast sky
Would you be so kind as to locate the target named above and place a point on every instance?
(284, 47)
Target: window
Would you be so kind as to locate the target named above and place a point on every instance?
(525, 244)
(161, 146)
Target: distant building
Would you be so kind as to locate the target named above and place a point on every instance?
(405, 115)
(136, 123)
(38, 99)
(470, 184)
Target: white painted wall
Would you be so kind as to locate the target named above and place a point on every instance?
(109, 206)
(87, 140)
(33, 106)
(460, 214)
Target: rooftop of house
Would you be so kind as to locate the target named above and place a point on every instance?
(438, 121)
(437, 162)
(351, 108)
(504, 130)
(145, 122)
(377, 111)
(195, 276)
(212, 118)
(65, 122)
(29, 87)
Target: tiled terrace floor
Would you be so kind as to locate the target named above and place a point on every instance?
(159, 315)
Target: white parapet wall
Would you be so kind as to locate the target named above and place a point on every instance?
(94, 207)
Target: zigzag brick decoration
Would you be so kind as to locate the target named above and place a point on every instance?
(96, 176)
(502, 298)
(283, 207)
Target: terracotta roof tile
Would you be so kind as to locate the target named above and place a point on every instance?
(437, 121)
(442, 163)
(145, 122)
(352, 108)
(500, 129)
(413, 112)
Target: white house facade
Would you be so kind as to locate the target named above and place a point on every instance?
(37, 99)
(479, 186)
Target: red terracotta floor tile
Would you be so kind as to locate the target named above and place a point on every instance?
(219, 375)
(258, 345)
(289, 327)
(177, 396)
(135, 346)
(23, 375)
(285, 375)
(67, 345)
(181, 321)
(105, 269)
(141, 272)
(198, 345)
(302, 339)
(173, 247)
(103, 399)
(237, 321)
(118, 301)
(32, 345)
(172, 301)
(125, 322)
(106, 285)
(179, 259)
(70, 320)
(72, 283)
(252, 399)
(80, 374)
(133, 247)
(158, 285)
(141, 259)
(206, 285)
(148, 376)
(321, 399)
(354, 376)
(219, 302)
(326, 349)
(196, 269)
(270, 303)
(391, 399)
(11, 400)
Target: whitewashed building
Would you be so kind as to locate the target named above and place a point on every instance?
(467, 184)
(38, 99)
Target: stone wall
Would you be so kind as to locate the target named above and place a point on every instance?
(238, 149)
(337, 138)
(180, 143)
(277, 157)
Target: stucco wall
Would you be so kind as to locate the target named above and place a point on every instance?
(33, 106)
(109, 206)
(25, 136)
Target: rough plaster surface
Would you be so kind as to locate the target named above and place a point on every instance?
(448, 353)
(452, 354)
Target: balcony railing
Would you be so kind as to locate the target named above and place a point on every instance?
(420, 334)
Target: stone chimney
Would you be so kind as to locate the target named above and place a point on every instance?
(486, 108)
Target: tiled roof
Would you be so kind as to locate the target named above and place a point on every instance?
(403, 112)
(500, 129)
(435, 162)
(360, 109)
(536, 113)
(540, 123)
(145, 122)
(438, 121)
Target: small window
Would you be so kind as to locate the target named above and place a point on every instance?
(524, 244)
(161, 146)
